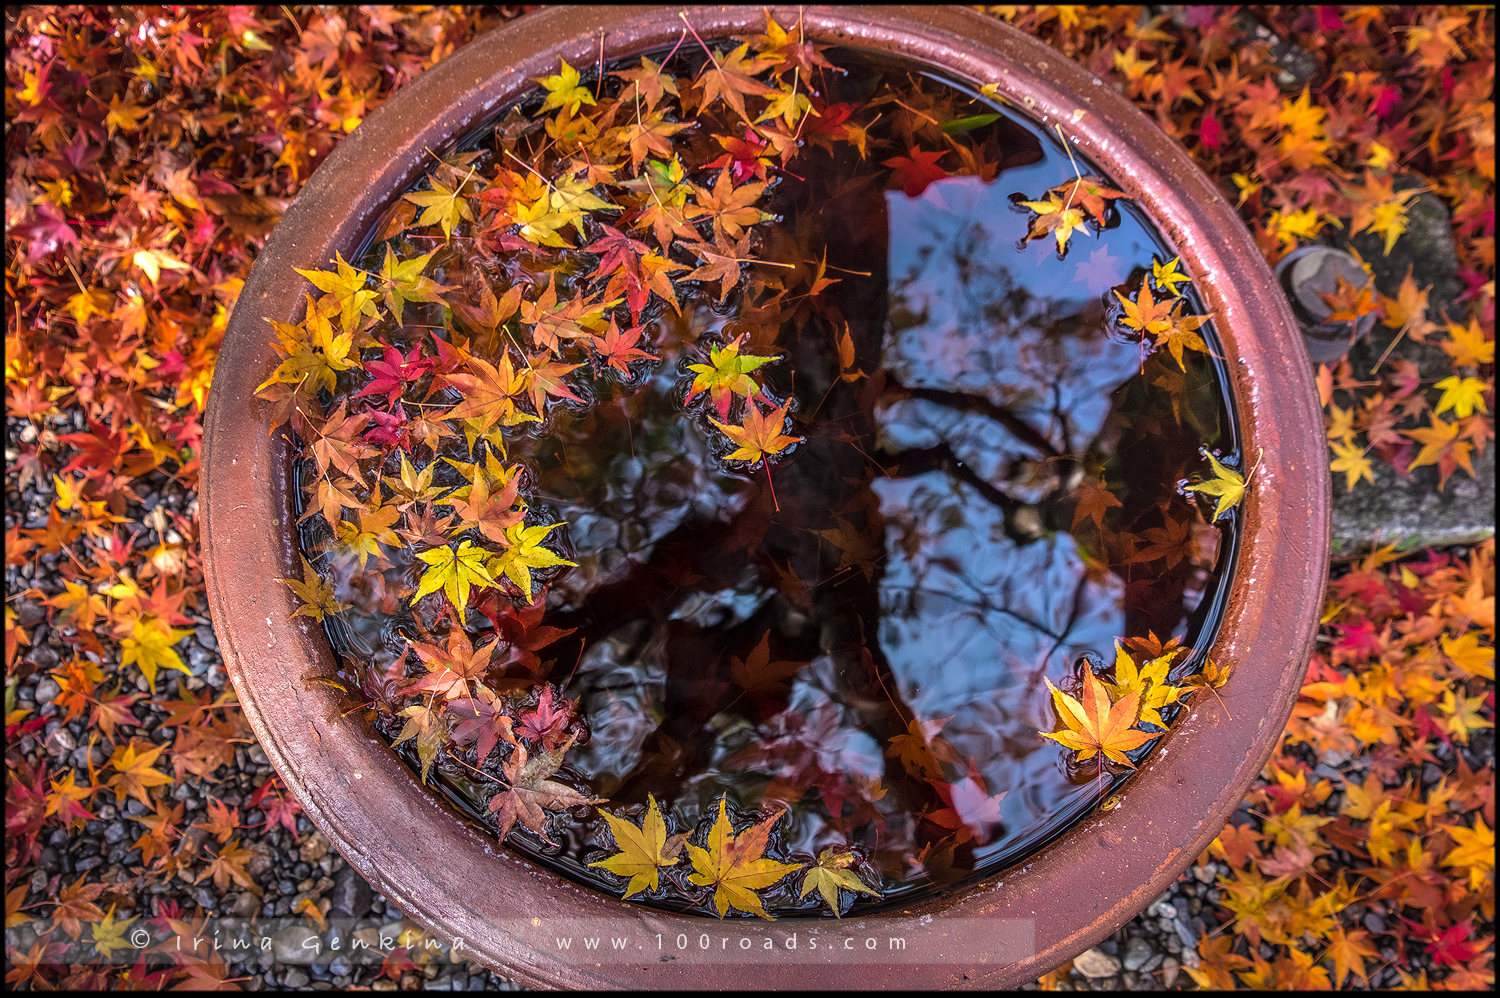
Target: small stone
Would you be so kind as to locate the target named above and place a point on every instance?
(1190, 957)
(43, 657)
(1167, 910)
(351, 894)
(314, 848)
(1374, 922)
(114, 832)
(1203, 874)
(245, 905)
(39, 880)
(1137, 952)
(1095, 963)
(1186, 934)
(383, 985)
(47, 690)
(295, 978)
(257, 755)
(1152, 964)
(1169, 968)
(340, 967)
(287, 945)
(59, 743)
(84, 865)
(205, 636)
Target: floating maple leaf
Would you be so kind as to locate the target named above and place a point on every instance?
(735, 865)
(1229, 485)
(831, 875)
(451, 670)
(532, 793)
(644, 850)
(760, 435)
(1094, 725)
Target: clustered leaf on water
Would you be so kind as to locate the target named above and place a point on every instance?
(622, 214)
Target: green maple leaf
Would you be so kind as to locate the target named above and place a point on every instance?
(443, 205)
(726, 374)
(525, 553)
(455, 571)
(402, 281)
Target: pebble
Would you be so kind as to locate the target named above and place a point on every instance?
(59, 743)
(295, 978)
(47, 690)
(1137, 952)
(1095, 963)
(351, 895)
(1169, 969)
(1186, 934)
(1374, 922)
(1167, 911)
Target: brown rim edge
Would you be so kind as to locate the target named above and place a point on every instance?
(451, 879)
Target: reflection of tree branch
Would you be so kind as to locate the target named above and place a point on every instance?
(919, 461)
(982, 607)
(965, 402)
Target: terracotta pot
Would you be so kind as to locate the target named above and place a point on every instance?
(1009, 929)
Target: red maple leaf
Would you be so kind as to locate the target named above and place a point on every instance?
(1359, 640)
(914, 172)
(548, 723)
(393, 373)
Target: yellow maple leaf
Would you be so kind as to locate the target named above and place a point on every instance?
(1462, 395)
(1475, 849)
(832, 874)
(564, 90)
(1150, 682)
(1094, 725)
(1468, 347)
(1352, 462)
(525, 553)
(643, 850)
(735, 867)
(1228, 484)
(150, 647)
